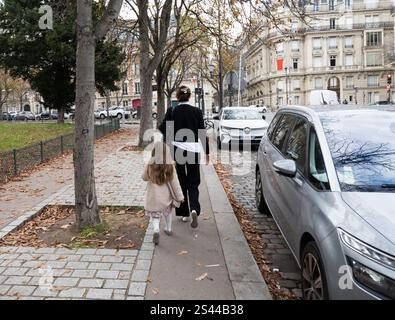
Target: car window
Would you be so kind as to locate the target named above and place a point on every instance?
(272, 126)
(317, 174)
(282, 130)
(297, 144)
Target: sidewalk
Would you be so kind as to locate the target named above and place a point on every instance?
(169, 271)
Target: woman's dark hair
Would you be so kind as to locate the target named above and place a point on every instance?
(183, 94)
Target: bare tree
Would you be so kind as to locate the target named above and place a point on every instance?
(6, 87)
(87, 211)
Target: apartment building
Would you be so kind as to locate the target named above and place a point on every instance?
(342, 45)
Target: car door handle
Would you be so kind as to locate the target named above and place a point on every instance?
(298, 181)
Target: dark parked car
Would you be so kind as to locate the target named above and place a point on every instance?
(6, 116)
(25, 116)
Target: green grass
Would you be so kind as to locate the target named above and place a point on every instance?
(18, 135)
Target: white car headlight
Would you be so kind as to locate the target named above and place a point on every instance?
(366, 250)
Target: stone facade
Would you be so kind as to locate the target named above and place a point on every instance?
(345, 46)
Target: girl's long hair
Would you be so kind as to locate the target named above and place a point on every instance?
(160, 167)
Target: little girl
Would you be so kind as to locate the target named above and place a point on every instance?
(163, 190)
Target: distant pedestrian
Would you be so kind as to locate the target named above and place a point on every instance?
(345, 101)
(163, 191)
(187, 125)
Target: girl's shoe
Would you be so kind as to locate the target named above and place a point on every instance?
(194, 223)
(184, 219)
(169, 233)
(155, 238)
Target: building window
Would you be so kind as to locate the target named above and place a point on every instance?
(280, 47)
(348, 4)
(374, 59)
(137, 88)
(374, 39)
(317, 43)
(331, 5)
(280, 85)
(295, 45)
(350, 82)
(373, 97)
(349, 60)
(296, 84)
(296, 100)
(295, 64)
(125, 104)
(373, 81)
(332, 61)
(332, 23)
(332, 43)
(348, 42)
(125, 89)
(103, 105)
(318, 84)
(280, 64)
(317, 62)
(316, 6)
(136, 69)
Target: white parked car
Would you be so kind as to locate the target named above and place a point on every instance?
(239, 124)
(115, 112)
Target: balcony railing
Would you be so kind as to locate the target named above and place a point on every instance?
(319, 8)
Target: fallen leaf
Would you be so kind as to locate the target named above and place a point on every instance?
(212, 265)
(61, 258)
(182, 253)
(155, 290)
(66, 226)
(202, 277)
(40, 265)
(226, 238)
(120, 238)
(17, 295)
(57, 289)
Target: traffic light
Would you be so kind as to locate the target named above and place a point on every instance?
(389, 79)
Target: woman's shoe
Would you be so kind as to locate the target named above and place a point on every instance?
(169, 233)
(155, 238)
(184, 219)
(194, 223)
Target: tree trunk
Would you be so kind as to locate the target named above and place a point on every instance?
(86, 207)
(108, 102)
(60, 114)
(161, 104)
(146, 122)
(146, 73)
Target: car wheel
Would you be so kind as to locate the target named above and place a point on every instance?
(259, 197)
(102, 116)
(154, 115)
(314, 285)
(119, 115)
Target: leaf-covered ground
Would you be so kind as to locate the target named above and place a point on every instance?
(254, 240)
(122, 228)
(17, 135)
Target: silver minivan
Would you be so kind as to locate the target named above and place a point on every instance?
(327, 176)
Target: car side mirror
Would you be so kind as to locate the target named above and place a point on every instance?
(263, 117)
(285, 168)
(216, 118)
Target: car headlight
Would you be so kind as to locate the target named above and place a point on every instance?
(366, 250)
(372, 279)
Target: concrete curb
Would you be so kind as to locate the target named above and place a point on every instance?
(245, 276)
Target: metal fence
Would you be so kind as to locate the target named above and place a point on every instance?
(18, 160)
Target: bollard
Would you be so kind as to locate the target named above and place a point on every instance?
(42, 151)
(15, 166)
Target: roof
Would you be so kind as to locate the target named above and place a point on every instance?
(338, 108)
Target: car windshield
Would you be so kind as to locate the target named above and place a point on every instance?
(362, 144)
(240, 114)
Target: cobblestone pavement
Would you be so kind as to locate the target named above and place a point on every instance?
(47, 273)
(59, 273)
(18, 197)
(278, 255)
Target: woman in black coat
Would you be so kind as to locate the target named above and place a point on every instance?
(183, 127)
